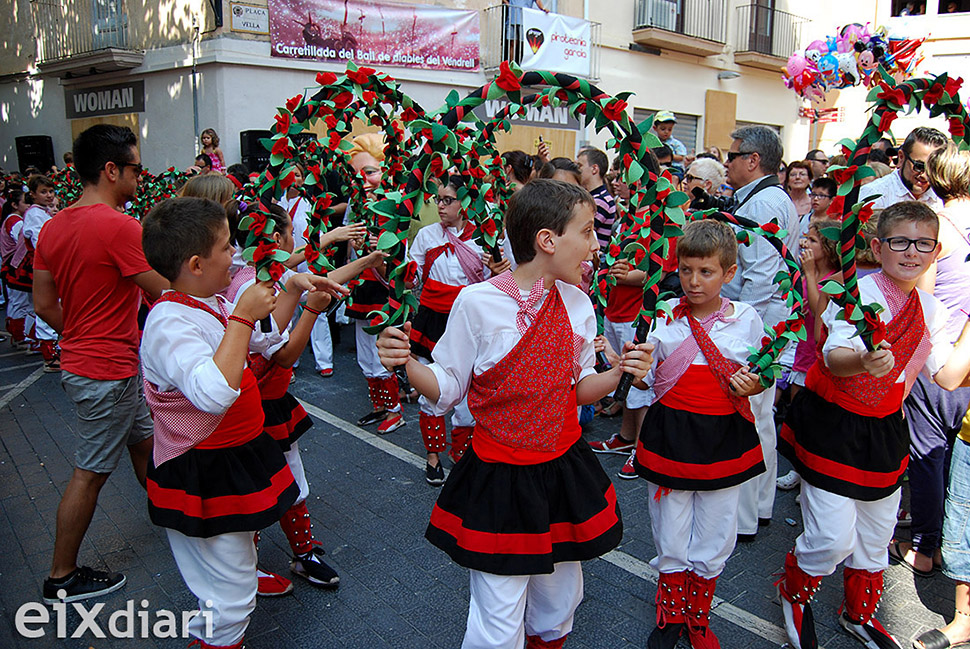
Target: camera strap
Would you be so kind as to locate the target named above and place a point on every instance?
(766, 182)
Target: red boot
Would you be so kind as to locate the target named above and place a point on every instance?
(392, 404)
(432, 432)
(51, 354)
(269, 584)
(307, 562)
(461, 439)
(15, 327)
(700, 593)
(374, 391)
(536, 642)
(671, 603)
(797, 588)
(863, 589)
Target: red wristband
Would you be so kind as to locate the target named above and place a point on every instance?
(311, 310)
(251, 325)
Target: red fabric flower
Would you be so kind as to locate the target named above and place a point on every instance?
(369, 97)
(614, 109)
(282, 147)
(638, 256)
(334, 140)
(326, 78)
(409, 114)
(293, 102)
(953, 86)
(933, 94)
(264, 249)
(779, 328)
(615, 250)
(879, 333)
(957, 128)
(276, 270)
(507, 80)
(311, 254)
(885, 122)
(770, 228)
(488, 227)
(842, 175)
(865, 212)
(360, 75)
(411, 272)
(837, 207)
(893, 95)
(343, 99)
(282, 122)
(796, 326)
(765, 341)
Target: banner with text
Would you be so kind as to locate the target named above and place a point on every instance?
(375, 33)
(555, 43)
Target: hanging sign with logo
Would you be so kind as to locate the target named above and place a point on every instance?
(555, 43)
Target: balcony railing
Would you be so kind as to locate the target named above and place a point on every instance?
(704, 19)
(767, 31)
(66, 29)
(502, 40)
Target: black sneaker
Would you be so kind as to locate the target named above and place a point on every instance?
(314, 569)
(372, 418)
(83, 583)
(435, 475)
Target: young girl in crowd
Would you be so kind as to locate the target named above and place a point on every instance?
(16, 287)
(210, 147)
(448, 260)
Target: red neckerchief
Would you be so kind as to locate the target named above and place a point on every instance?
(437, 251)
(187, 300)
(721, 367)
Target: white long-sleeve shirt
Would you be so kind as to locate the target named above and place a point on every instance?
(445, 268)
(481, 332)
(34, 220)
(935, 315)
(177, 351)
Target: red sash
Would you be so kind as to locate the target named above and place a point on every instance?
(525, 406)
(862, 393)
(698, 391)
(438, 296)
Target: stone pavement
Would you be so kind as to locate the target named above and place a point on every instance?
(369, 505)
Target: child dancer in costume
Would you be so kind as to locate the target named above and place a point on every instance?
(845, 433)
(215, 477)
(210, 147)
(529, 500)
(41, 199)
(16, 288)
(698, 442)
(371, 294)
(285, 418)
(448, 260)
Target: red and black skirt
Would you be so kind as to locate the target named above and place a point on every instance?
(369, 295)
(20, 277)
(426, 330)
(689, 451)
(852, 455)
(508, 519)
(207, 492)
(286, 420)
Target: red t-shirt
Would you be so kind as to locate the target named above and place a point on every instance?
(92, 252)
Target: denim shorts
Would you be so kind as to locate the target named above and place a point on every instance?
(956, 531)
(110, 416)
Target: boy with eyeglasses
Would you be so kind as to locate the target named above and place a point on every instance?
(845, 433)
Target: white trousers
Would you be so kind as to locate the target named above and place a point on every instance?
(693, 530)
(616, 334)
(503, 609)
(839, 528)
(19, 303)
(295, 462)
(367, 358)
(322, 344)
(758, 493)
(221, 572)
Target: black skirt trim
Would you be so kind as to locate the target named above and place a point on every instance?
(426, 330)
(207, 492)
(689, 451)
(286, 420)
(858, 457)
(509, 519)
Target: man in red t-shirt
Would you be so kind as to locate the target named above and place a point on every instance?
(89, 271)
